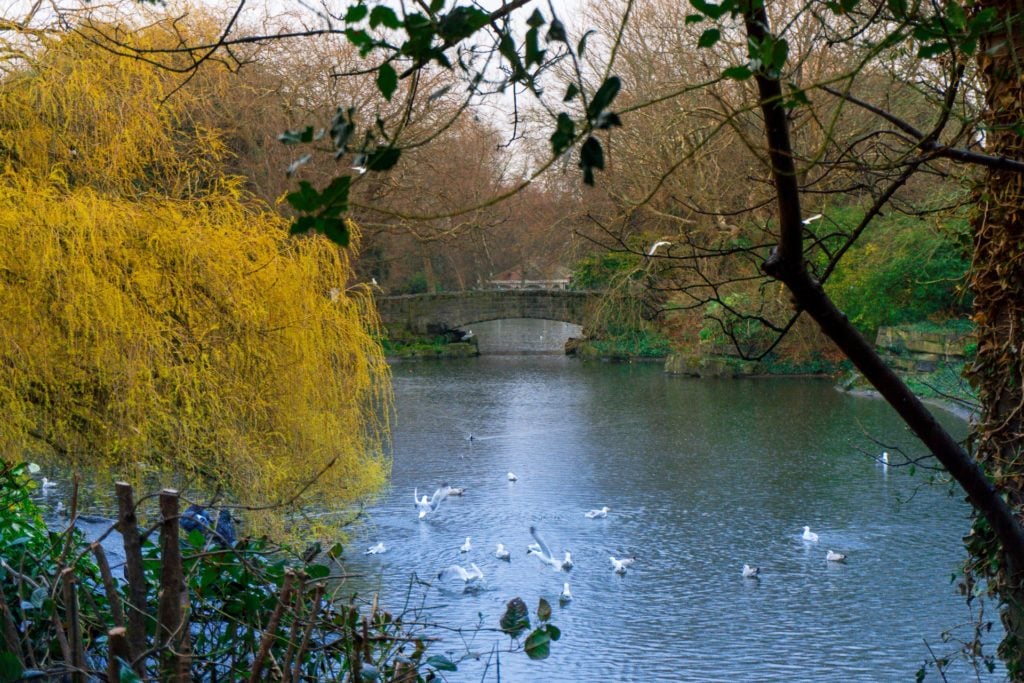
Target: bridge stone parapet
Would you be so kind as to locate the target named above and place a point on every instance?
(422, 314)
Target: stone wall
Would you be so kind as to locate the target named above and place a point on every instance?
(911, 350)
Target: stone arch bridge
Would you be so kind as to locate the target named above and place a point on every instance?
(424, 314)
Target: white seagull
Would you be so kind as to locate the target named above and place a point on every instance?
(541, 550)
(621, 565)
(566, 595)
(467, 575)
(597, 514)
(885, 458)
(48, 484)
(428, 505)
(466, 547)
(750, 572)
(376, 550)
(654, 247)
(810, 535)
(456, 490)
(567, 563)
(833, 556)
(512, 477)
(808, 221)
(502, 553)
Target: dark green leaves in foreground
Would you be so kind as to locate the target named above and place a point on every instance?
(322, 210)
(517, 619)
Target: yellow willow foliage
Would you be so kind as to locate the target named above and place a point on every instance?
(106, 122)
(186, 335)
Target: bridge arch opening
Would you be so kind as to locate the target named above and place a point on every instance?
(522, 336)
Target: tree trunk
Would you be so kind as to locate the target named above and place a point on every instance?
(997, 281)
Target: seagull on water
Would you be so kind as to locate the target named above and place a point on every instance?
(512, 477)
(833, 556)
(541, 550)
(567, 563)
(654, 247)
(456, 490)
(566, 595)
(466, 547)
(885, 458)
(376, 550)
(48, 484)
(810, 535)
(457, 572)
(597, 514)
(502, 553)
(428, 505)
(621, 565)
(750, 572)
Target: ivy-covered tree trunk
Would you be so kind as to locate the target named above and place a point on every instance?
(997, 280)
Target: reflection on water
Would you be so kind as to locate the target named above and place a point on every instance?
(702, 477)
(523, 336)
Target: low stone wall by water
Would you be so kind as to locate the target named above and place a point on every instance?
(911, 350)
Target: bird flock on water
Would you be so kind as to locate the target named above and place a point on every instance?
(472, 576)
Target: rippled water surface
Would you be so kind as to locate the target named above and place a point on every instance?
(702, 477)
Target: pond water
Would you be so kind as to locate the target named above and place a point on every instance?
(702, 477)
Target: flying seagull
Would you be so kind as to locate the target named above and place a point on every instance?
(428, 505)
(541, 550)
(654, 247)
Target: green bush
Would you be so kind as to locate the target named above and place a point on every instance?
(905, 270)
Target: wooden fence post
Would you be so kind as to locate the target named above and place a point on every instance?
(172, 604)
(128, 525)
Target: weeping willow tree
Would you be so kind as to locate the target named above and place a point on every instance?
(153, 317)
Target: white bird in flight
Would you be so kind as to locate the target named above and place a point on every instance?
(750, 572)
(541, 550)
(808, 221)
(810, 535)
(467, 575)
(466, 547)
(620, 566)
(428, 505)
(376, 550)
(566, 595)
(597, 514)
(654, 247)
(502, 553)
(512, 477)
(833, 556)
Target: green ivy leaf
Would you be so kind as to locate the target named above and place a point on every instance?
(356, 13)
(898, 8)
(335, 552)
(318, 571)
(565, 131)
(709, 37)
(335, 229)
(384, 15)
(10, 668)
(603, 97)
(538, 645)
(536, 19)
(694, 18)
(591, 157)
(553, 632)
(556, 32)
(543, 610)
(387, 80)
(441, 663)
(738, 73)
(305, 199)
(127, 674)
(460, 23)
(516, 618)
(571, 92)
(383, 159)
(581, 47)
